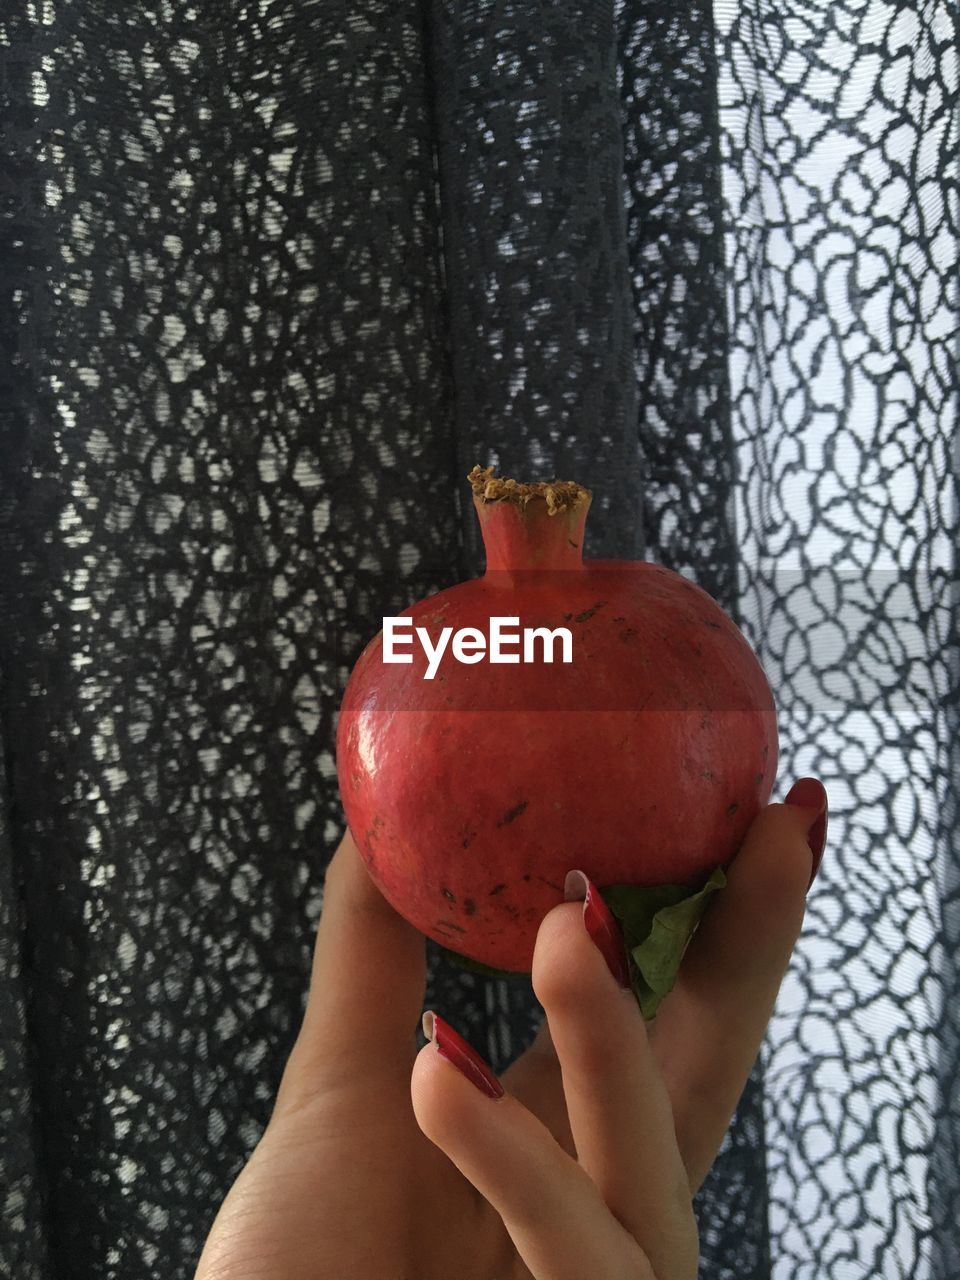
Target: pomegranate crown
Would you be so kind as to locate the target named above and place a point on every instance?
(529, 526)
(560, 495)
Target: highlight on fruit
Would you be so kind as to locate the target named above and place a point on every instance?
(642, 760)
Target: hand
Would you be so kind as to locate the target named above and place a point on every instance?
(384, 1163)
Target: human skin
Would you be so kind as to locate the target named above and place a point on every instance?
(382, 1162)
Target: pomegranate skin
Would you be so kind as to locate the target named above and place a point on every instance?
(643, 761)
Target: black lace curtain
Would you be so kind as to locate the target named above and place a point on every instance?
(276, 275)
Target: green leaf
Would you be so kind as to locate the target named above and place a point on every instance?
(658, 922)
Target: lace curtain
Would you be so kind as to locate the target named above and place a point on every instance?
(277, 274)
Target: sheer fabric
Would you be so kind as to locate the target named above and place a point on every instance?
(277, 275)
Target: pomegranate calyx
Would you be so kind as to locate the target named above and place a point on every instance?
(558, 494)
(529, 526)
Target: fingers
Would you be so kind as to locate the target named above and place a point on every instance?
(550, 1206)
(618, 1107)
(534, 1078)
(367, 988)
(708, 1031)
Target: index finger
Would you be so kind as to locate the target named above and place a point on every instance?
(367, 988)
(708, 1031)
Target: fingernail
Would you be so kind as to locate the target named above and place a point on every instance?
(600, 924)
(452, 1046)
(810, 793)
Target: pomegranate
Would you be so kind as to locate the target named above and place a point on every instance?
(638, 747)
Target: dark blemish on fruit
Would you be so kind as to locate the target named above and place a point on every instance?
(567, 617)
(447, 894)
(373, 831)
(469, 906)
(627, 634)
(372, 834)
(714, 626)
(708, 774)
(758, 778)
(449, 924)
(619, 619)
(551, 883)
(468, 839)
(698, 650)
(588, 613)
(766, 752)
(513, 813)
(663, 571)
(572, 543)
(732, 809)
(526, 877)
(496, 889)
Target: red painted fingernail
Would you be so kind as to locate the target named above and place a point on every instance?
(600, 924)
(810, 793)
(464, 1057)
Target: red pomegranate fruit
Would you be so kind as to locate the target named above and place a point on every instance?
(475, 773)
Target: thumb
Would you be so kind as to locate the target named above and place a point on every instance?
(367, 987)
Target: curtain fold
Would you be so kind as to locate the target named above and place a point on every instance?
(276, 275)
